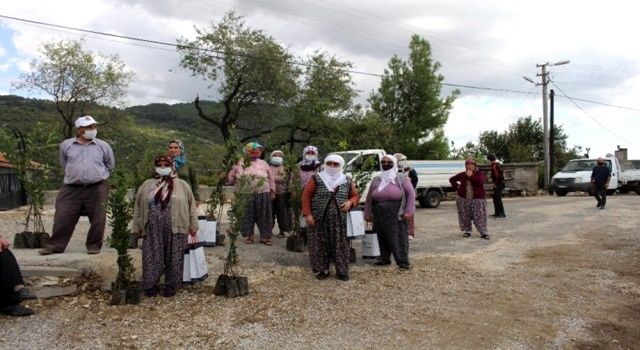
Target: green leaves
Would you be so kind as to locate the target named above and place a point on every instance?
(409, 100)
(75, 79)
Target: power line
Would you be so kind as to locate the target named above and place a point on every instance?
(163, 44)
(588, 115)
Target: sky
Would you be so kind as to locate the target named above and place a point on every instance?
(490, 44)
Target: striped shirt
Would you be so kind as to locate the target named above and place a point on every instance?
(88, 163)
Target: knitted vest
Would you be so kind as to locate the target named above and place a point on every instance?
(323, 197)
(399, 180)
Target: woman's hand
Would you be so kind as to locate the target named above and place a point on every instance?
(192, 231)
(407, 217)
(346, 206)
(368, 218)
(309, 220)
(4, 244)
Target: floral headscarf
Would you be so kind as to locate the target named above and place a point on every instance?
(164, 185)
(306, 164)
(181, 159)
(253, 149)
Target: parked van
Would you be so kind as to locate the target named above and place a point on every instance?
(576, 176)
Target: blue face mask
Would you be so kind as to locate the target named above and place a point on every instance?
(276, 160)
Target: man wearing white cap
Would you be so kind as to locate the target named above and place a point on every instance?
(87, 163)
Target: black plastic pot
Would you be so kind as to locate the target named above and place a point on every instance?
(220, 287)
(232, 287)
(134, 293)
(352, 255)
(243, 285)
(220, 239)
(19, 241)
(43, 239)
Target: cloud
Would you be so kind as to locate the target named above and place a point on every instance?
(491, 43)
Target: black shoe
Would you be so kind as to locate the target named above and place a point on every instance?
(383, 263)
(24, 294)
(169, 292)
(17, 310)
(501, 216)
(493, 215)
(323, 275)
(152, 292)
(602, 207)
(47, 251)
(343, 277)
(466, 234)
(598, 206)
(404, 266)
(485, 236)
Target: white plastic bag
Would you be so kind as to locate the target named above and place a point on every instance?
(355, 223)
(370, 246)
(195, 264)
(207, 232)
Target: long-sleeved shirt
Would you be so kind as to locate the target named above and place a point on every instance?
(459, 183)
(85, 163)
(392, 192)
(497, 175)
(279, 176)
(260, 170)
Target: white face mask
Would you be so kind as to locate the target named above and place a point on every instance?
(276, 160)
(310, 157)
(163, 171)
(332, 171)
(90, 134)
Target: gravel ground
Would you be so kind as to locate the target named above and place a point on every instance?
(558, 273)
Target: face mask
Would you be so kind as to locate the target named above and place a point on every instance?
(90, 134)
(310, 157)
(387, 166)
(332, 171)
(276, 160)
(163, 171)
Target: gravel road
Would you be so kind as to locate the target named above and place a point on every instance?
(557, 273)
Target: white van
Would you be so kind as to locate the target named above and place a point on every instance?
(576, 176)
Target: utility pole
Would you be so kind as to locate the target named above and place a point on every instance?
(545, 81)
(545, 123)
(552, 130)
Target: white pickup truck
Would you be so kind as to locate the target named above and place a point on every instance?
(576, 176)
(433, 175)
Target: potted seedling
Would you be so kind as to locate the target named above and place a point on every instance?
(125, 289)
(20, 150)
(297, 240)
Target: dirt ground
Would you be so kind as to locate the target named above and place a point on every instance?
(557, 273)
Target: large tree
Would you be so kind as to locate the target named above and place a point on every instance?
(325, 95)
(251, 71)
(409, 98)
(75, 78)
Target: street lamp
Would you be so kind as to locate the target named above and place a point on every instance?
(545, 110)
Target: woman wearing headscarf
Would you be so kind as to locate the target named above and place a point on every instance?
(471, 200)
(164, 214)
(404, 168)
(280, 204)
(175, 149)
(390, 205)
(309, 164)
(326, 199)
(12, 289)
(258, 210)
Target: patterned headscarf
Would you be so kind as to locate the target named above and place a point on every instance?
(253, 149)
(307, 165)
(181, 159)
(164, 185)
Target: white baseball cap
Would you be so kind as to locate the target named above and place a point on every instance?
(85, 121)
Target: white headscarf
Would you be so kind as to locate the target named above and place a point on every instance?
(333, 177)
(388, 176)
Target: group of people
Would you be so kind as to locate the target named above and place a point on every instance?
(165, 210)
